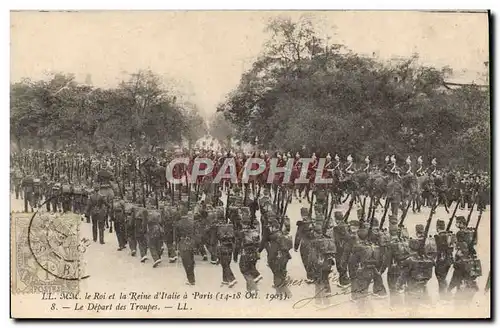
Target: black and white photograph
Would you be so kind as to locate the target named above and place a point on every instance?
(250, 164)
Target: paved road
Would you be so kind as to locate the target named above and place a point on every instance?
(113, 271)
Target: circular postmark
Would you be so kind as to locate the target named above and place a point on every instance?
(53, 240)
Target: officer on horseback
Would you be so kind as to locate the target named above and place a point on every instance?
(367, 167)
(350, 169)
(408, 166)
(420, 170)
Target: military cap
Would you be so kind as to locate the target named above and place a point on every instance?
(440, 225)
(461, 219)
(419, 229)
(354, 223)
(338, 215)
(304, 212)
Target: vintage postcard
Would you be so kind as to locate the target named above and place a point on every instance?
(250, 164)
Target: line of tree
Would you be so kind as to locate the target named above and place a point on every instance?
(307, 92)
(58, 111)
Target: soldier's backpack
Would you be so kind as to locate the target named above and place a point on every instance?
(36, 182)
(225, 232)
(444, 241)
(472, 268)
(251, 237)
(430, 247)
(399, 250)
(56, 186)
(245, 215)
(285, 242)
(128, 209)
(384, 239)
(154, 216)
(466, 236)
(78, 191)
(371, 254)
(421, 269)
(404, 233)
(66, 188)
(325, 245)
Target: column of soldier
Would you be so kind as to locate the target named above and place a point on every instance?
(149, 213)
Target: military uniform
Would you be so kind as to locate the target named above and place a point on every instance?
(56, 197)
(28, 188)
(397, 252)
(445, 241)
(66, 197)
(379, 239)
(184, 231)
(341, 237)
(416, 272)
(130, 224)
(365, 259)
(170, 215)
(225, 244)
(247, 248)
(279, 245)
(303, 239)
(155, 236)
(468, 269)
(118, 217)
(140, 225)
(97, 211)
(322, 258)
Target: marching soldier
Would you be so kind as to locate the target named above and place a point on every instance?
(130, 228)
(184, 231)
(225, 244)
(397, 252)
(118, 218)
(247, 247)
(97, 211)
(365, 259)
(279, 245)
(467, 270)
(445, 241)
(155, 236)
(56, 197)
(416, 272)
(66, 194)
(341, 237)
(28, 187)
(141, 221)
(303, 239)
(323, 258)
(378, 240)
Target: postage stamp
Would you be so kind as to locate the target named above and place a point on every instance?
(46, 253)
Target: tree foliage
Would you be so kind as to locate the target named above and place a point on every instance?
(220, 128)
(60, 111)
(307, 91)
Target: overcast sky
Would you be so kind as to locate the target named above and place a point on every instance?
(205, 53)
